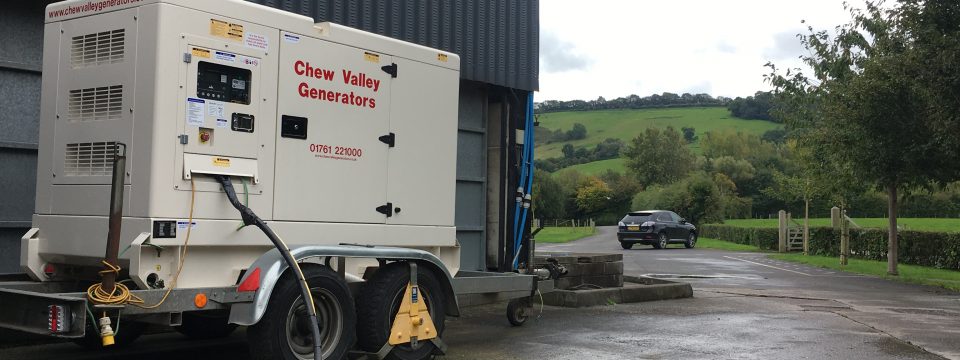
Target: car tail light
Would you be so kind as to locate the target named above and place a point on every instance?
(49, 270)
(622, 226)
(58, 319)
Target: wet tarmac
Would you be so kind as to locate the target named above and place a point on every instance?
(745, 306)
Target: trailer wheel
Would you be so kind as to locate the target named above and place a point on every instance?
(199, 325)
(517, 311)
(379, 302)
(128, 332)
(284, 331)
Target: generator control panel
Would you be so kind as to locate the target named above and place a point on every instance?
(223, 83)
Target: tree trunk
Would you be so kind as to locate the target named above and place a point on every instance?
(892, 240)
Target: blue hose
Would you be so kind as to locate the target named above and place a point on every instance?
(525, 183)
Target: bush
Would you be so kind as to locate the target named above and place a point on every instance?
(763, 238)
(925, 248)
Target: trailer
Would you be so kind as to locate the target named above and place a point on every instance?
(206, 165)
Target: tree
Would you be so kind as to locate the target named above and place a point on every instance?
(864, 109)
(567, 150)
(695, 197)
(689, 134)
(547, 197)
(578, 132)
(659, 157)
(593, 197)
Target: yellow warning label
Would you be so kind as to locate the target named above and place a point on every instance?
(226, 30)
(198, 52)
(442, 57)
(371, 57)
(219, 161)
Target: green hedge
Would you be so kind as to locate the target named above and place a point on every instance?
(763, 238)
(926, 248)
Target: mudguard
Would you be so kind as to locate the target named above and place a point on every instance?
(272, 266)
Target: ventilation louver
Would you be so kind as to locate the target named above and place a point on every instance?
(98, 48)
(91, 104)
(89, 159)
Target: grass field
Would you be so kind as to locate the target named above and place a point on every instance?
(908, 273)
(919, 224)
(563, 234)
(628, 123)
(597, 168)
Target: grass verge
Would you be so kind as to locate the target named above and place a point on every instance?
(948, 279)
(708, 243)
(917, 224)
(563, 234)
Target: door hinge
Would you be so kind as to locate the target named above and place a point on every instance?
(386, 209)
(389, 139)
(390, 69)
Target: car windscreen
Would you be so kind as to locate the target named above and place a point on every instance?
(637, 218)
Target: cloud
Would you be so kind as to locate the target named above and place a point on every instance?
(786, 45)
(558, 55)
(727, 48)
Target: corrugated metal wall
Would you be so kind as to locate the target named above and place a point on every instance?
(21, 23)
(497, 40)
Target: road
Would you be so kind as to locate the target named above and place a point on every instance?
(745, 306)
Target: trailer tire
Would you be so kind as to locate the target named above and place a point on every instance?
(283, 332)
(199, 325)
(517, 311)
(379, 302)
(128, 332)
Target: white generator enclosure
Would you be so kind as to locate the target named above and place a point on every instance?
(332, 135)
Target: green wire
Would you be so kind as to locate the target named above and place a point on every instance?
(96, 327)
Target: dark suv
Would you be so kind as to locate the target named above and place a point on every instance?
(657, 228)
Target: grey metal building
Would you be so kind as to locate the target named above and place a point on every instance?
(497, 41)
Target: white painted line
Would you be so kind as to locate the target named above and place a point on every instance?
(834, 274)
(769, 266)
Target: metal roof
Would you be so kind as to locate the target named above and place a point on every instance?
(497, 40)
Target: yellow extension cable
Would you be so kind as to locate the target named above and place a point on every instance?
(121, 293)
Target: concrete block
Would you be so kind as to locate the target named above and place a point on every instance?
(613, 268)
(588, 269)
(603, 280)
(630, 293)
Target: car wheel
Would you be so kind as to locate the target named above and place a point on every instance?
(626, 245)
(691, 241)
(662, 242)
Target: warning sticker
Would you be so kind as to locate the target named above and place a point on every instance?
(222, 123)
(225, 56)
(371, 57)
(442, 57)
(195, 111)
(226, 30)
(182, 225)
(291, 38)
(219, 161)
(215, 109)
(256, 41)
(198, 52)
(246, 60)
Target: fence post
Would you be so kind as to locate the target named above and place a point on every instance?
(844, 238)
(806, 227)
(782, 216)
(835, 217)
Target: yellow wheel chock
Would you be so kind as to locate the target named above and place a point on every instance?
(413, 322)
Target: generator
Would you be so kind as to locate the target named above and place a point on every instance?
(174, 114)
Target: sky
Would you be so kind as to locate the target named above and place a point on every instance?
(615, 48)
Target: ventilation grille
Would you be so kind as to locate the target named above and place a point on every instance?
(89, 159)
(97, 49)
(102, 103)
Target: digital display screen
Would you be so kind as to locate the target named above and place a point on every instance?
(223, 83)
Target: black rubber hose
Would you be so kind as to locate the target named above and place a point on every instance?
(250, 218)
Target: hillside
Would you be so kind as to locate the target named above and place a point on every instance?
(627, 124)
